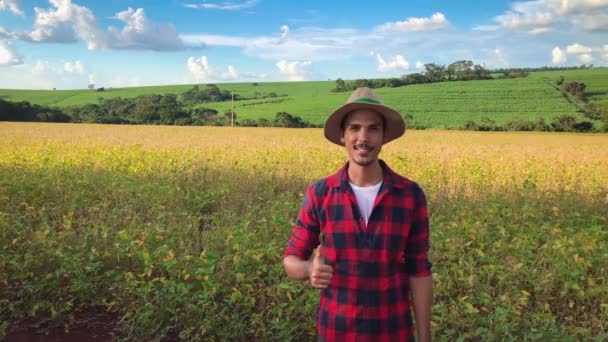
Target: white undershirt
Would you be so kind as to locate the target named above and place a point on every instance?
(366, 195)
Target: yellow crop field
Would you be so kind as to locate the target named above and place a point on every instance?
(179, 232)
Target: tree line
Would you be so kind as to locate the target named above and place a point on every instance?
(462, 70)
(145, 109)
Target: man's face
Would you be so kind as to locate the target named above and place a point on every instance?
(363, 136)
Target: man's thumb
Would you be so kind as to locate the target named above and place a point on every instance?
(319, 254)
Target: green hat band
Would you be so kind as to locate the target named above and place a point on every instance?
(367, 100)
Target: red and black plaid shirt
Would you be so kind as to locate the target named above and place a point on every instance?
(368, 298)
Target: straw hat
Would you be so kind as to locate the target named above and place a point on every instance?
(364, 98)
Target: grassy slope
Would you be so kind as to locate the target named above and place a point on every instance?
(447, 104)
(596, 81)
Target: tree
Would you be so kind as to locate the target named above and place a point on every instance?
(147, 109)
(481, 73)
(563, 123)
(362, 82)
(415, 78)
(435, 72)
(460, 70)
(229, 116)
(574, 88)
(340, 86)
(540, 125)
(169, 109)
(284, 119)
(201, 115)
(470, 125)
(487, 124)
(597, 111)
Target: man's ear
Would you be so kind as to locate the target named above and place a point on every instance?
(342, 139)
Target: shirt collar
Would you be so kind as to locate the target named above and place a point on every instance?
(340, 178)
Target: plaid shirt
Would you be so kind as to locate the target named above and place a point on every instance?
(368, 298)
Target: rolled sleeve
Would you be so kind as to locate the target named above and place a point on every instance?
(305, 236)
(416, 254)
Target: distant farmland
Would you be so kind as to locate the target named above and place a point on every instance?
(437, 105)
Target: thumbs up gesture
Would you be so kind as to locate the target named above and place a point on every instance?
(319, 273)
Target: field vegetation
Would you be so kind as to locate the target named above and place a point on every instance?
(499, 103)
(179, 231)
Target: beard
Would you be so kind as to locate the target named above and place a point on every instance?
(370, 155)
(364, 162)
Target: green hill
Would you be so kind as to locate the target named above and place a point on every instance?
(445, 104)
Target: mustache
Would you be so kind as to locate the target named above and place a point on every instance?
(363, 146)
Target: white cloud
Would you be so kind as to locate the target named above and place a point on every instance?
(435, 22)
(419, 65)
(12, 5)
(486, 28)
(397, 63)
(123, 82)
(578, 48)
(4, 34)
(199, 68)
(284, 34)
(65, 21)
(539, 30)
(559, 57)
(232, 72)
(540, 16)
(295, 71)
(252, 75)
(585, 58)
(500, 57)
(59, 24)
(563, 7)
(75, 67)
(227, 6)
(201, 71)
(596, 22)
(215, 40)
(313, 44)
(40, 67)
(45, 74)
(8, 55)
(139, 33)
(92, 79)
(531, 16)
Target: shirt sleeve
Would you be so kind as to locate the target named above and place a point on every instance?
(416, 254)
(305, 236)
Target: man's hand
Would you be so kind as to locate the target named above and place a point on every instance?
(319, 273)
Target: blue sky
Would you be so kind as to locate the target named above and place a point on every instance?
(67, 44)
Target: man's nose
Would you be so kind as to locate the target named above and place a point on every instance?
(363, 135)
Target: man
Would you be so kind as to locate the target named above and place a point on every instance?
(374, 225)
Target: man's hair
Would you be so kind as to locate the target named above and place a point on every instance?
(345, 118)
